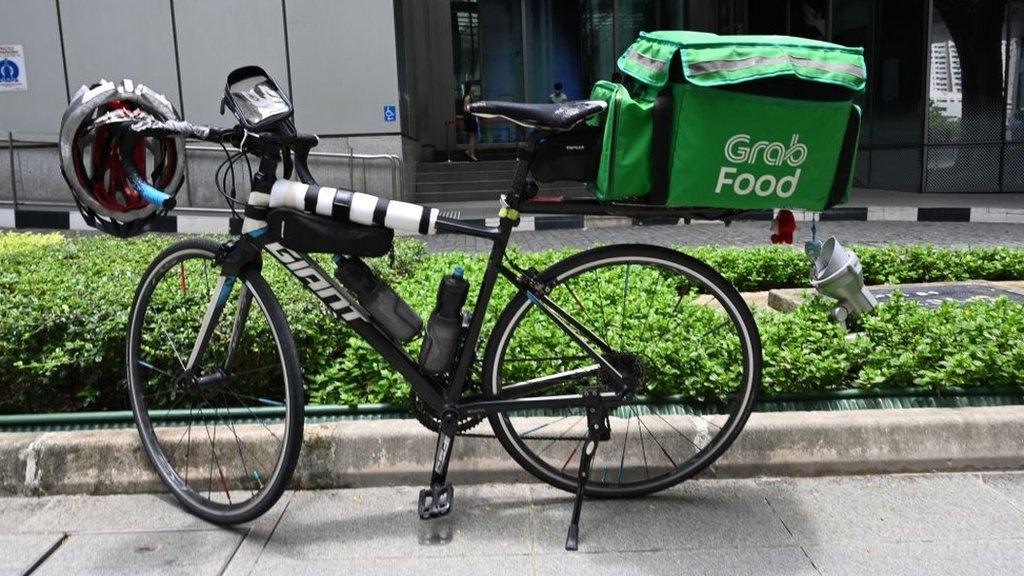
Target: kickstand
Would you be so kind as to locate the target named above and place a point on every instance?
(597, 429)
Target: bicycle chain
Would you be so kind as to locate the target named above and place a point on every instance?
(430, 421)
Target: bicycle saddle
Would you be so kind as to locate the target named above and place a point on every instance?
(562, 116)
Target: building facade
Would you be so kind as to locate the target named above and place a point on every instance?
(384, 78)
(941, 112)
(337, 59)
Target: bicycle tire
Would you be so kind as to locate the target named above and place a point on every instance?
(263, 297)
(562, 271)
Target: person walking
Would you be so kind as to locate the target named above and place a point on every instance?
(469, 121)
(557, 97)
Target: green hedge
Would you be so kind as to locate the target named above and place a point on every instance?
(64, 304)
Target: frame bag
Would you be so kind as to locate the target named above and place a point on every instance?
(305, 232)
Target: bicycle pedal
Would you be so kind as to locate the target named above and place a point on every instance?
(436, 501)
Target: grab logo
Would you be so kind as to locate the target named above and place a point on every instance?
(739, 150)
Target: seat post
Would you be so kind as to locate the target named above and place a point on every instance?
(524, 157)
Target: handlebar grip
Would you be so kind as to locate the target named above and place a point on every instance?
(147, 192)
(155, 197)
(161, 128)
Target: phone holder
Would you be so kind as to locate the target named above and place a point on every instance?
(254, 98)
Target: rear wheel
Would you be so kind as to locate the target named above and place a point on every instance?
(680, 330)
(224, 437)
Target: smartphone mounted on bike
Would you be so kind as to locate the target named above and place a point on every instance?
(255, 99)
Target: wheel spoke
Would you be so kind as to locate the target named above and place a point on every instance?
(264, 401)
(713, 330)
(173, 347)
(600, 301)
(579, 303)
(542, 426)
(258, 419)
(655, 438)
(213, 457)
(149, 366)
(250, 473)
(687, 438)
(643, 448)
(573, 453)
(251, 371)
(622, 308)
(562, 435)
(678, 302)
(549, 358)
(188, 430)
(625, 441)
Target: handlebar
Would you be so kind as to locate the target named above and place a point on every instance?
(132, 133)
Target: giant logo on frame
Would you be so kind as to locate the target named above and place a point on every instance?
(313, 280)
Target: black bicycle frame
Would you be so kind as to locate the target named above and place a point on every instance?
(439, 395)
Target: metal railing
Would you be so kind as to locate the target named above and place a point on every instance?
(394, 162)
(394, 165)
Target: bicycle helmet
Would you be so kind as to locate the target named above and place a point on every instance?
(90, 155)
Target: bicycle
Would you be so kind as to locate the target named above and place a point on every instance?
(633, 348)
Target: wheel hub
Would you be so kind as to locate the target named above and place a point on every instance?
(630, 366)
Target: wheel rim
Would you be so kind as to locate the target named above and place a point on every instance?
(676, 425)
(217, 439)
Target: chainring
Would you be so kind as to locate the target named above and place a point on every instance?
(430, 419)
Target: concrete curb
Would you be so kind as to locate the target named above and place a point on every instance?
(216, 221)
(399, 452)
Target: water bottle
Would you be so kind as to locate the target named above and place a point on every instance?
(388, 309)
(444, 328)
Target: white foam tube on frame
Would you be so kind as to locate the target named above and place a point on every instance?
(357, 207)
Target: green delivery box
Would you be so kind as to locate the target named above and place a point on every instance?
(744, 122)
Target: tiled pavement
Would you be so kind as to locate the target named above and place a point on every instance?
(960, 524)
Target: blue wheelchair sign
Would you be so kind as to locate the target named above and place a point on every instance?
(390, 113)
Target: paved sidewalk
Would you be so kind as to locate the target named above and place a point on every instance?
(918, 524)
(750, 234)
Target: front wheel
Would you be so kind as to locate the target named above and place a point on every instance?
(222, 428)
(677, 328)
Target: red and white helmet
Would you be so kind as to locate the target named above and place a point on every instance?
(90, 155)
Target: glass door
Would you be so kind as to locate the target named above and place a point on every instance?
(487, 52)
(552, 39)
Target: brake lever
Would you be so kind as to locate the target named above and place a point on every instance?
(301, 166)
(288, 164)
